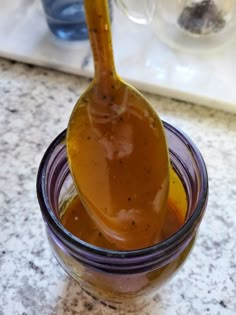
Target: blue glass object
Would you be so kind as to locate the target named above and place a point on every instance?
(66, 18)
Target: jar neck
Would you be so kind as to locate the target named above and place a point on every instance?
(124, 262)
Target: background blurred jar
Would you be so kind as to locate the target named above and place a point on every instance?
(66, 18)
(188, 25)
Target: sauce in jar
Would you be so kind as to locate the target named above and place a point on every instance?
(77, 221)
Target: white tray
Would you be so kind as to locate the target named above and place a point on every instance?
(141, 58)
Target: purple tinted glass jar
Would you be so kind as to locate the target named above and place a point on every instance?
(121, 279)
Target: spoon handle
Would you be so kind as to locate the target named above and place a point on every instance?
(98, 23)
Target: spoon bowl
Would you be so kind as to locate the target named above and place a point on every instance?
(117, 149)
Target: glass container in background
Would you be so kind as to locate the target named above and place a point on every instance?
(122, 279)
(66, 18)
(188, 25)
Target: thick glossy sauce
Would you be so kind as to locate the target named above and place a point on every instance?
(121, 169)
(117, 150)
(76, 220)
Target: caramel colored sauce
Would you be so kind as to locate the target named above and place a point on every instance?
(77, 221)
(117, 149)
(121, 168)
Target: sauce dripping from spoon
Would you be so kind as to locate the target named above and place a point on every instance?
(117, 149)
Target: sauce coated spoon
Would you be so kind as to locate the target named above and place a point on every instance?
(117, 149)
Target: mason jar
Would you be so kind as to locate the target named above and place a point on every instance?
(122, 279)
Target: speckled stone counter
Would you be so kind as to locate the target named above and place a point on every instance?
(35, 105)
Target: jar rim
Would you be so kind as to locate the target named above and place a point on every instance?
(185, 229)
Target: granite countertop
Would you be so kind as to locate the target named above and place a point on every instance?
(35, 105)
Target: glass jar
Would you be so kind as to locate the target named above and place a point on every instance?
(196, 26)
(122, 279)
(66, 18)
